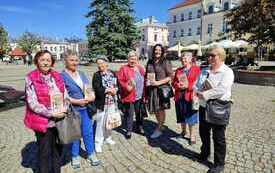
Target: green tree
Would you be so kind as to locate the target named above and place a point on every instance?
(254, 19)
(29, 42)
(112, 31)
(3, 41)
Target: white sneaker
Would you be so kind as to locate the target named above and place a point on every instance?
(157, 133)
(110, 141)
(98, 148)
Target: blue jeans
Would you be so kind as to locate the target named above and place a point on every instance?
(87, 135)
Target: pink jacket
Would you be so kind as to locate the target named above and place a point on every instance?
(124, 74)
(33, 120)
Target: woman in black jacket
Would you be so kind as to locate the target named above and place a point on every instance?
(105, 87)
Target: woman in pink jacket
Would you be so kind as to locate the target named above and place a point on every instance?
(131, 80)
(40, 117)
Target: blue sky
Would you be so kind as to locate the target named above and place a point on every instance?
(64, 18)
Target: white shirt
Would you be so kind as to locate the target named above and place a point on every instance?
(221, 81)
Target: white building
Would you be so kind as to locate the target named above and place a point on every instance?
(184, 23)
(58, 48)
(152, 32)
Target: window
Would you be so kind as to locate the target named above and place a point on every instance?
(226, 6)
(60, 48)
(51, 49)
(175, 19)
(199, 13)
(175, 34)
(182, 32)
(210, 9)
(182, 17)
(224, 26)
(55, 49)
(210, 28)
(143, 37)
(198, 30)
(190, 32)
(143, 51)
(190, 15)
(46, 48)
(155, 37)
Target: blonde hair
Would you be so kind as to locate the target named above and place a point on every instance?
(220, 51)
(132, 53)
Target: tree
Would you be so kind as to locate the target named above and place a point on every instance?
(254, 19)
(29, 42)
(112, 31)
(3, 41)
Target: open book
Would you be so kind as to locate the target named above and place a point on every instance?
(183, 79)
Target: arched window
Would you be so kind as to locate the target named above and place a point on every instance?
(226, 6)
(211, 9)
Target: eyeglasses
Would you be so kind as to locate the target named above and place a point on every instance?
(211, 55)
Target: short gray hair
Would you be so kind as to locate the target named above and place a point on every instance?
(69, 52)
(189, 56)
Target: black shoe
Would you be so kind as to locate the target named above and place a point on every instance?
(140, 130)
(217, 169)
(128, 135)
(202, 158)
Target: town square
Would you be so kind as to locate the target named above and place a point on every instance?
(186, 88)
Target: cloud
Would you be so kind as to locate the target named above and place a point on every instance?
(14, 9)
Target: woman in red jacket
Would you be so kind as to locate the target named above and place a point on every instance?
(183, 82)
(131, 80)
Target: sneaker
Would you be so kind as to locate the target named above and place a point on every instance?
(98, 148)
(92, 159)
(110, 141)
(75, 162)
(157, 133)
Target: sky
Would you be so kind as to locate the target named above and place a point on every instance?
(65, 18)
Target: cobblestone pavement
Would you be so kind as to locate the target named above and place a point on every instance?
(250, 139)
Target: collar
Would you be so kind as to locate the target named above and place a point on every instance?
(222, 68)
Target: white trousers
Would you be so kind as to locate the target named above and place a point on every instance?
(101, 132)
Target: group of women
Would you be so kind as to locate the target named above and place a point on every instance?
(132, 85)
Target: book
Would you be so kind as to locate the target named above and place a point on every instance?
(87, 90)
(207, 85)
(57, 102)
(151, 77)
(183, 79)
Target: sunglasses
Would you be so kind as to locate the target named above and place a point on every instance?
(211, 55)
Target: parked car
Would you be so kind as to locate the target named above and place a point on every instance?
(10, 95)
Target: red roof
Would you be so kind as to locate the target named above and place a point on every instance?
(17, 52)
(185, 3)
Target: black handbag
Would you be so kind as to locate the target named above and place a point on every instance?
(91, 108)
(218, 111)
(69, 127)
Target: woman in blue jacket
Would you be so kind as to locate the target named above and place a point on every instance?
(80, 95)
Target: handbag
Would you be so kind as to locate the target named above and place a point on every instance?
(195, 103)
(91, 108)
(113, 118)
(218, 111)
(69, 127)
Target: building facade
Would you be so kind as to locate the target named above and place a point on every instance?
(187, 18)
(152, 32)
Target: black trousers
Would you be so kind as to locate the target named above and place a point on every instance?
(218, 132)
(131, 109)
(49, 151)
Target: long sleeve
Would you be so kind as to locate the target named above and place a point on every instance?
(32, 101)
(175, 82)
(98, 88)
(122, 80)
(223, 89)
